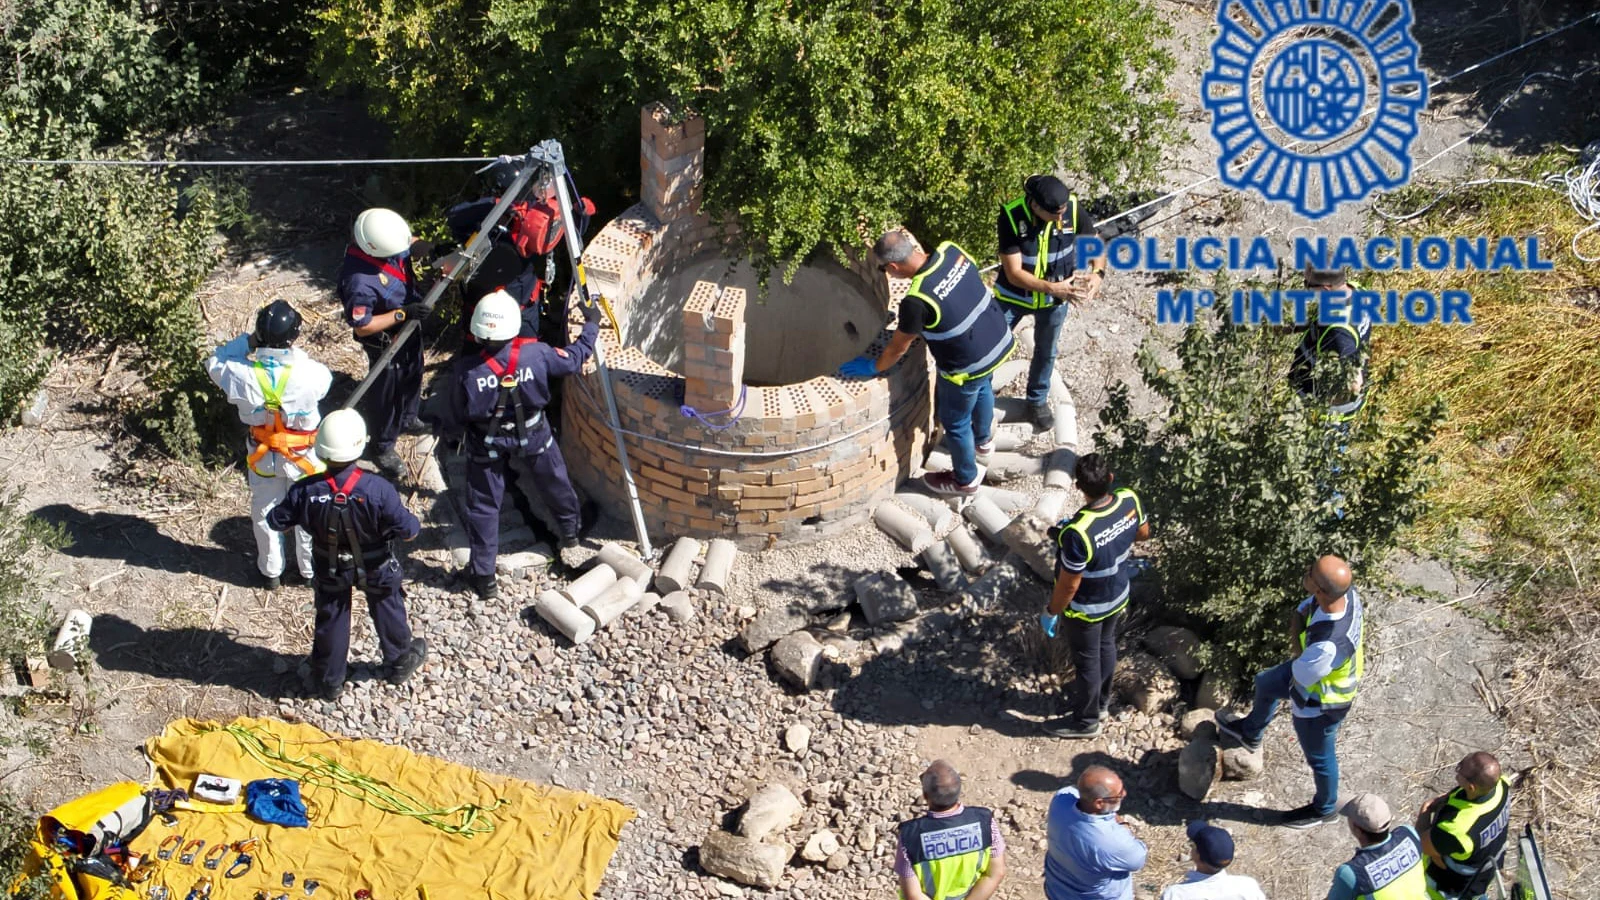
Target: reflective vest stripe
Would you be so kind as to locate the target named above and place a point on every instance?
(1391, 870)
(979, 341)
(1461, 826)
(959, 329)
(1094, 612)
(1337, 689)
(948, 854)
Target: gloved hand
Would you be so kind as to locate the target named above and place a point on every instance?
(591, 312)
(1049, 623)
(421, 249)
(250, 341)
(860, 367)
(417, 310)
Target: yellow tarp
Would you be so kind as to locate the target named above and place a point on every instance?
(547, 843)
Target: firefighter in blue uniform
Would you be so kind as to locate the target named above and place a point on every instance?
(378, 288)
(496, 398)
(352, 517)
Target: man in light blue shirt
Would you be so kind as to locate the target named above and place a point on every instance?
(1092, 855)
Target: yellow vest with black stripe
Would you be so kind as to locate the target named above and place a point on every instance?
(965, 329)
(1108, 534)
(1309, 351)
(1479, 826)
(1337, 689)
(1391, 870)
(950, 853)
(1048, 253)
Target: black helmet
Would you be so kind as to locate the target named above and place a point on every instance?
(277, 325)
(502, 174)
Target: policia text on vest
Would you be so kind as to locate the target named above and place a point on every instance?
(949, 853)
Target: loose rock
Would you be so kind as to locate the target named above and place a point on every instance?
(820, 846)
(797, 738)
(1199, 767)
(885, 598)
(766, 628)
(1177, 648)
(771, 808)
(798, 659)
(1242, 764)
(1201, 722)
(744, 860)
(1143, 682)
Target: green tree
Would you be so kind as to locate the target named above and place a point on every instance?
(1239, 479)
(820, 115)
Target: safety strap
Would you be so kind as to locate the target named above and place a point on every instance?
(340, 524)
(275, 436)
(383, 264)
(508, 395)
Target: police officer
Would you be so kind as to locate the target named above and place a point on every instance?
(1038, 256)
(1387, 864)
(949, 306)
(352, 516)
(1091, 590)
(497, 398)
(378, 288)
(1464, 832)
(275, 387)
(952, 852)
(1320, 682)
(1332, 335)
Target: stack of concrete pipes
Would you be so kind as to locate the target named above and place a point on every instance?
(620, 582)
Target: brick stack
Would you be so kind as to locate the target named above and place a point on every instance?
(797, 461)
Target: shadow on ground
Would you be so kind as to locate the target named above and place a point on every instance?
(201, 655)
(136, 541)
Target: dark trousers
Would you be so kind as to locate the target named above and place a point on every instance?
(330, 645)
(486, 486)
(1094, 661)
(391, 403)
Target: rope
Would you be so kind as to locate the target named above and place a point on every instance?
(736, 410)
(246, 163)
(466, 820)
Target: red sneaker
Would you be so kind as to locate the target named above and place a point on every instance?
(945, 483)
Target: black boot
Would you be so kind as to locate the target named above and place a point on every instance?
(409, 661)
(487, 587)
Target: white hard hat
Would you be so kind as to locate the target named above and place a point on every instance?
(381, 232)
(497, 317)
(342, 437)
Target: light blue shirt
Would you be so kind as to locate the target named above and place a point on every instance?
(1090, 857)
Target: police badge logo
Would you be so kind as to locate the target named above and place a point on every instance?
(1314, 103)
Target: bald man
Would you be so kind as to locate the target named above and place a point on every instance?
(1091, 855)
(1464, 831)
(1320, 683)
(952, 851)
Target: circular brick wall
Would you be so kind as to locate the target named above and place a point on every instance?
(802, 460)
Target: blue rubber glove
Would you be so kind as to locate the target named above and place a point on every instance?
(860, 367)
(1049, 623)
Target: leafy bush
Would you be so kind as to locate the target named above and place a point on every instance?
(1238, 481)
(16, 829)
(820, 115)
(24, 620)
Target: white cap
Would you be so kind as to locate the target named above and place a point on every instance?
(381, 232)
(497, 317)
(342, 437)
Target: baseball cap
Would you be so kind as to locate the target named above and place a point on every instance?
(1215, 846)
(1369, 812)
(1048, 191)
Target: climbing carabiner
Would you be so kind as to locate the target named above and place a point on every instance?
(172, 843)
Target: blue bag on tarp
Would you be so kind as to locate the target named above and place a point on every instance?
(276, 801)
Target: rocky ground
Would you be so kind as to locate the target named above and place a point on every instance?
(680, 720)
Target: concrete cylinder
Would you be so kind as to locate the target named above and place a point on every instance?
(617, 599)
(589, 585)
(675, 569)
(719, 564)
(626, 564)
(70, 640)
(983, 513)
(1012, 502)
(648, 601)
(939, 460)
(1025, 340)
(941, 562)
(1010, 466)
(564, 617)
(1009, 371)
(1050, 504)
(908, 529)
(1066, 430)
(936, 511)
(968, 551)
(679, 606)
(1058, 470)
(1012, 438)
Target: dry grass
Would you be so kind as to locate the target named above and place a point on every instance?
(1520, 449)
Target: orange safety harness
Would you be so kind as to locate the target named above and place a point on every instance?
(275, 436)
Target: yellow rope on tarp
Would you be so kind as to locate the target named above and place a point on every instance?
(467, 819)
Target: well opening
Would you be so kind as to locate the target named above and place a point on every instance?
(795, 331)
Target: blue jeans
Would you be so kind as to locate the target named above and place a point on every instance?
(1046, 335)
(1316, 733)
(967, 413)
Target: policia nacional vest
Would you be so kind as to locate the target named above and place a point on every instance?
(949, 854)
(1302, 374)
(1109, 534)
(1391, 870)
(965, 330)
(1480, 827)
(1337, 690)
(1048, 253)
